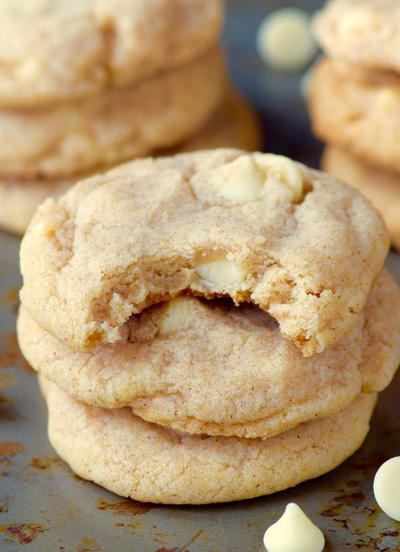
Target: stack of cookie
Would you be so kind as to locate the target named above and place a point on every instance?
(86, 85)
(355, 99)
(210, 326)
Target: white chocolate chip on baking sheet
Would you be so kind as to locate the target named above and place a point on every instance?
(285, 41)
(387, 487)
(294, 532)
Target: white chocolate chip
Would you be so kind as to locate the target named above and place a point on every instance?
(294, 532)
(242, 181)
(387, 487)
(174, 316)
(285, 41)
(219, 275)
(286, 171)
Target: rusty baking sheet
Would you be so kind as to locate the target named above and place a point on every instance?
(45, 508)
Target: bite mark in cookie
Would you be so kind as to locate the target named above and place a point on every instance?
(150, 229)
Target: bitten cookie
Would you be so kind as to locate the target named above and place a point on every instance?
(255, 227)
(357, 111)
(147, 462)
(59, 51)
(381, 187)
(119, 124)
(212, 368)
(363, 32)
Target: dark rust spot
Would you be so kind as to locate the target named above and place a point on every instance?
(353, 483)
(373, 461)
(88, 544)
(11, 297)
(352, 499)
(4, 400)
(176, 549)
(390, 534)
(124, 507)
(9, 448)
(41, 463)
(3, 509)
(24, 533)
(342, 522)
(329, 512)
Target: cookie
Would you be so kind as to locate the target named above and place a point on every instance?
(254, 227)
(215, 369)
(120, 124)
(19, 200)
(357, 110)
(147, 462)
(59, 51)
(234, 124)
(381, 187)
(361, 32)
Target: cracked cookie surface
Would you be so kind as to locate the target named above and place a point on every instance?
(255, 227)
(108, 447)
(58, 50)
(212, 368)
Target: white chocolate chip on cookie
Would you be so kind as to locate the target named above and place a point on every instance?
(219, 275)
(174, 316)
(286, 172)
(244, 181)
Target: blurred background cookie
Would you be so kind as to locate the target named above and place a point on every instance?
(354, 99)
(380, 186)
(58, 51)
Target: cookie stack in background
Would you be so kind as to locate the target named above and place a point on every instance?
(208, 326)
(355, 99)
(86, 85)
